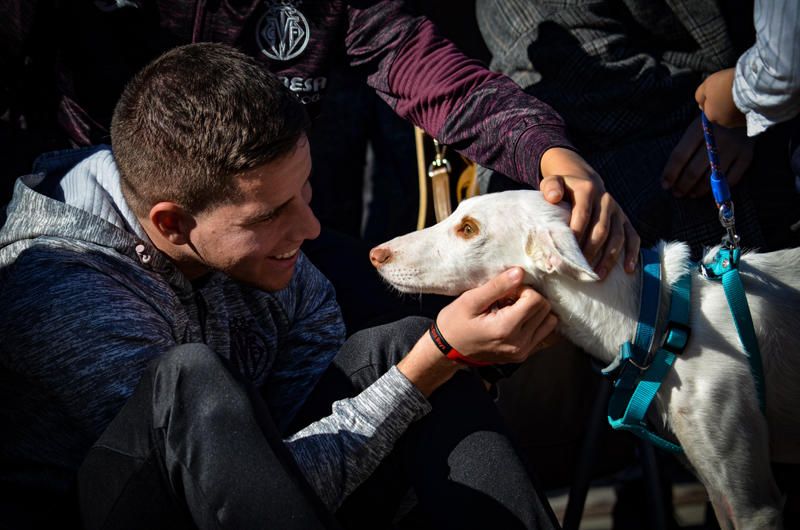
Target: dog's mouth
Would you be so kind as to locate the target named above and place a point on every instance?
(417, 290)
(409, 282)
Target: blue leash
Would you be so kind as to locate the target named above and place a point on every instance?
(725, 267)
(638, 373)
(719, 186)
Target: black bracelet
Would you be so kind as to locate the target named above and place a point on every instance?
(448, 351)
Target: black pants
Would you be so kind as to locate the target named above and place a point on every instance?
(195, 446)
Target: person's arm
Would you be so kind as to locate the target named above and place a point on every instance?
(454, 98)
(766, 87)
(486, 116)
(340, 451)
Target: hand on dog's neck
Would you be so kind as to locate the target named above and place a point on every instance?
(599, 316)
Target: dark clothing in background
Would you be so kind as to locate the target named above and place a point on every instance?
(623, 77)
(78, 57)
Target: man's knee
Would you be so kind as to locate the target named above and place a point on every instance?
(192, 356)
(193, 363)
(381, 347)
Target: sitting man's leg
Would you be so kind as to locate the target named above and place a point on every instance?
(458, 459)
(195, 447)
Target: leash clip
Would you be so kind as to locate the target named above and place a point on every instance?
(440, 163)
(726, 218)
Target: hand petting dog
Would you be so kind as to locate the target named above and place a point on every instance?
(600, 226)
(481, 332)
(485, 332)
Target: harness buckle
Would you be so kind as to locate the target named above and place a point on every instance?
(624, 371)
(676, 337)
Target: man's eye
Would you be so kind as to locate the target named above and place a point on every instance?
(261, 220)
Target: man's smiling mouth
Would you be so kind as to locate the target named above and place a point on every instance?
(287, 255)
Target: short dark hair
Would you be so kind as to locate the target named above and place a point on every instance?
(193, 119)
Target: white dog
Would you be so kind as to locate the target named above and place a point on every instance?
(708, 400)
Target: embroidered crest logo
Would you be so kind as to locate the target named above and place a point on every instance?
(283, 31)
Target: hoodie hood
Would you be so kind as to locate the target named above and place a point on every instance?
(80, 203)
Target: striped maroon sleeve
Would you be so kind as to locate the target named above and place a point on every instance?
(454, 98)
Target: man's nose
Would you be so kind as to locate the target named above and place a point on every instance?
(309, 226)
(379, 255)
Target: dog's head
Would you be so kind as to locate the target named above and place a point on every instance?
(483, 237)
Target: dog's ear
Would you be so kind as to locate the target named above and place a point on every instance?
(555, 249)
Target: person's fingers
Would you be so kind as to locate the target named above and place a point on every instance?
(612, 249)
(521, 341)
(739, 166)
(632, 244)
(727, 160)
(683, 152)
(482, 297)
(700, 95)
(601, 229)
(527, 311)
(553, 189)
(701, 171)
(582, 211)
(532, 308)
(695, 169)
(553, 339)
(544, 337)
(700, 189)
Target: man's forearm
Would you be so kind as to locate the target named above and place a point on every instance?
(337, 453)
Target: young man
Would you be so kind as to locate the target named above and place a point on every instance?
(181, 251)
(422, 76)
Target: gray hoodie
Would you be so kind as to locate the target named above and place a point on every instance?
(88, 301)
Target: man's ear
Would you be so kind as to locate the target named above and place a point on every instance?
(555, 249)
(172, 222)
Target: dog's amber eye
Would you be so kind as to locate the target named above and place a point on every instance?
(468, 228)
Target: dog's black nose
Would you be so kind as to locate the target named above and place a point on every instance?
(379, 255)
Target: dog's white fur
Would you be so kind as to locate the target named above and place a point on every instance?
(708, 401)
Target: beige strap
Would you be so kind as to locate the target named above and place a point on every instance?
(439, 172)
(419, 139)
(440, 182)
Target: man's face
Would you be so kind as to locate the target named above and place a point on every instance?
(257, 239)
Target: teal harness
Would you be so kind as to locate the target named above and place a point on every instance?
(639, 369)
(725, 268)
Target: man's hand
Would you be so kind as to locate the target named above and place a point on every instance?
(502, 321)
(715, 97)
(601, 227)
(687, 170)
